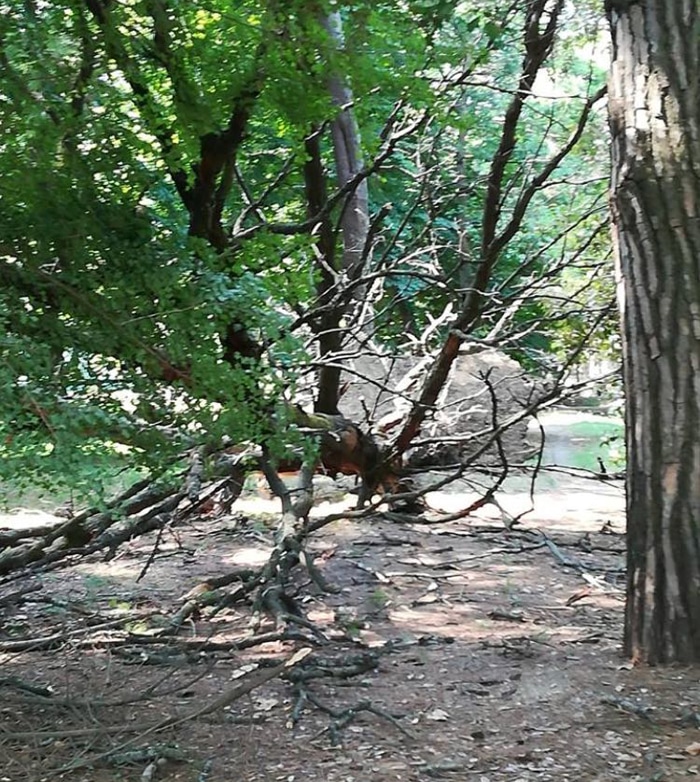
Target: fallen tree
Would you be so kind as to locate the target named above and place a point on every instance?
(191, 351)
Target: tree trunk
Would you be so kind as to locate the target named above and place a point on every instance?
(655, 125)
(348, 163)
(327, 327)
(354, 222)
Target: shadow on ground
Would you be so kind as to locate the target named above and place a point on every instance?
(496, 657)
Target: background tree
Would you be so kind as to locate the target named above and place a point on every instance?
(655, 127)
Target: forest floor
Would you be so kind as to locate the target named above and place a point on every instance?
(491, 655)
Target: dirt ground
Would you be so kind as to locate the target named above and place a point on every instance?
(480, 654)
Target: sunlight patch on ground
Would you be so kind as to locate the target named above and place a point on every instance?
(463, 623)
(554, 508)
(114, 570)
(251, 556)
(441, 622)
(259, 505)
(27, 518)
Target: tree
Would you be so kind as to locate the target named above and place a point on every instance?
(655, 125)
(182, 219)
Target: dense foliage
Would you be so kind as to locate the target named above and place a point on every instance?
(172, 210)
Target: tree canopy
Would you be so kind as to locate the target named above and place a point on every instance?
(202, 206)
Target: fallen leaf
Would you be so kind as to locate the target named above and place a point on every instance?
(266, 704)
(243, 670)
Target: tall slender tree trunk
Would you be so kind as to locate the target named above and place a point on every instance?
(354, 224)
(347, 153)
(655, 124)
(328, 325)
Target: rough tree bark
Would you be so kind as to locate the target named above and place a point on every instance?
(654, 114)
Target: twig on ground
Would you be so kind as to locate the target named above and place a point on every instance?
(19, 595)
(353, 665)
(559, 555)
(631, 707)
(343, 717)
(56, 639)
(155, 548)
(443, 767)
(198, 645)
(206, 770)
(19, 684)
(420, 574)
(206, 594)
(149, 754)
(243, 687)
